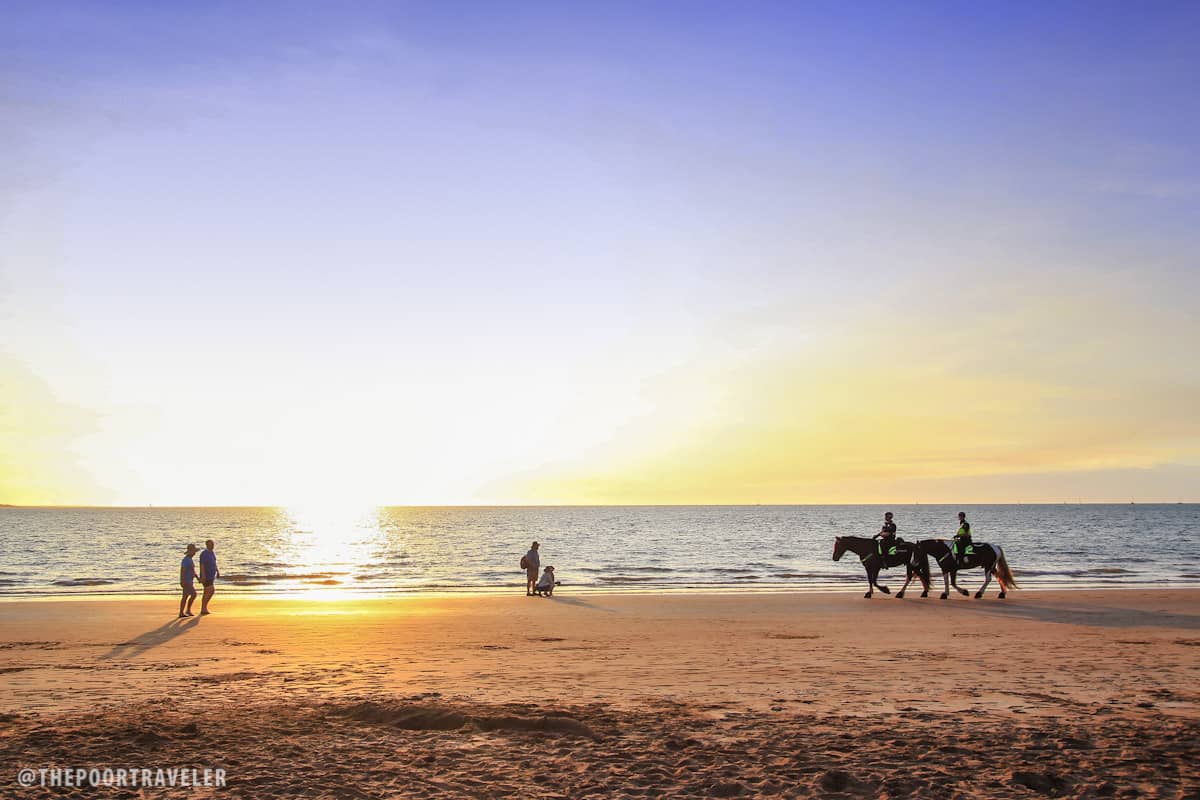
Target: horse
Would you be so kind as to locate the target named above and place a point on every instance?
(868, 553)
(986, 556)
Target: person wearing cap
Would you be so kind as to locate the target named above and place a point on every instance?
(187, 577)
(533, 563)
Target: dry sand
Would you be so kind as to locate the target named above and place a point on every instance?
(1071, 694)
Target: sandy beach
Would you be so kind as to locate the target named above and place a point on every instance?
(1068, 694)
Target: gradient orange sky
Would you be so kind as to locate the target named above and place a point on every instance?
(608, 253)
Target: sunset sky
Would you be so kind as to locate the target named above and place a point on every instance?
(651, 252)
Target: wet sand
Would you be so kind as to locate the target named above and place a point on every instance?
(1067, 694)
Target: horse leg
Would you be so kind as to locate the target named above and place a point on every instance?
(987, 578)
(954, 583)
(907, 581)
(879, 585)
(945, 584)
(870, 583)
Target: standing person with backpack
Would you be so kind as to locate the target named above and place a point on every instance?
(532, 563)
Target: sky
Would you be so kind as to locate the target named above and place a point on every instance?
(652, 252)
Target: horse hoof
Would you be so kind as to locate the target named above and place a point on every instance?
(978, 595)
(899, 595)
(885, 590)
(1002, 595)
(924, 594)
(867, 595)
(945, 595)
(963, 592)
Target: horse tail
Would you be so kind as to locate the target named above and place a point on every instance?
(1004, 572)
(919, 565)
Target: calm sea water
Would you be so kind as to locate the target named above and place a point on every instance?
(389, 550)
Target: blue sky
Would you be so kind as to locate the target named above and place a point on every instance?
(601, 213)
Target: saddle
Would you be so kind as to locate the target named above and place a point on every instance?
(895, 554)
(966, 555)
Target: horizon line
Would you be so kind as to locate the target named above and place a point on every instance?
(613, 505)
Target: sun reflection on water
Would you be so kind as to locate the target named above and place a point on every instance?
(328, 544)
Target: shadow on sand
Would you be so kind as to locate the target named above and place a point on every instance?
(150, 639)
(575, 601)
(1094, 616)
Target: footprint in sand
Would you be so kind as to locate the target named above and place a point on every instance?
(793, 636)
(30, 645)
(229, 676)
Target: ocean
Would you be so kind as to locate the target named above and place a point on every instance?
(388, 550)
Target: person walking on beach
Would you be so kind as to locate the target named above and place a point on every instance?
(208, 574)
(187, 576)
(533, 563)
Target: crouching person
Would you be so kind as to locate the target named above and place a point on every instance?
(545, 585)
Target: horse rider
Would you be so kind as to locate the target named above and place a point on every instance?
(962, 540)
(887, 537)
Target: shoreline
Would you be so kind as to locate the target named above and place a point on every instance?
(351, 593)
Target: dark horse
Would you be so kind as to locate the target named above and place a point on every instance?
(867, 551)
(988, 557)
